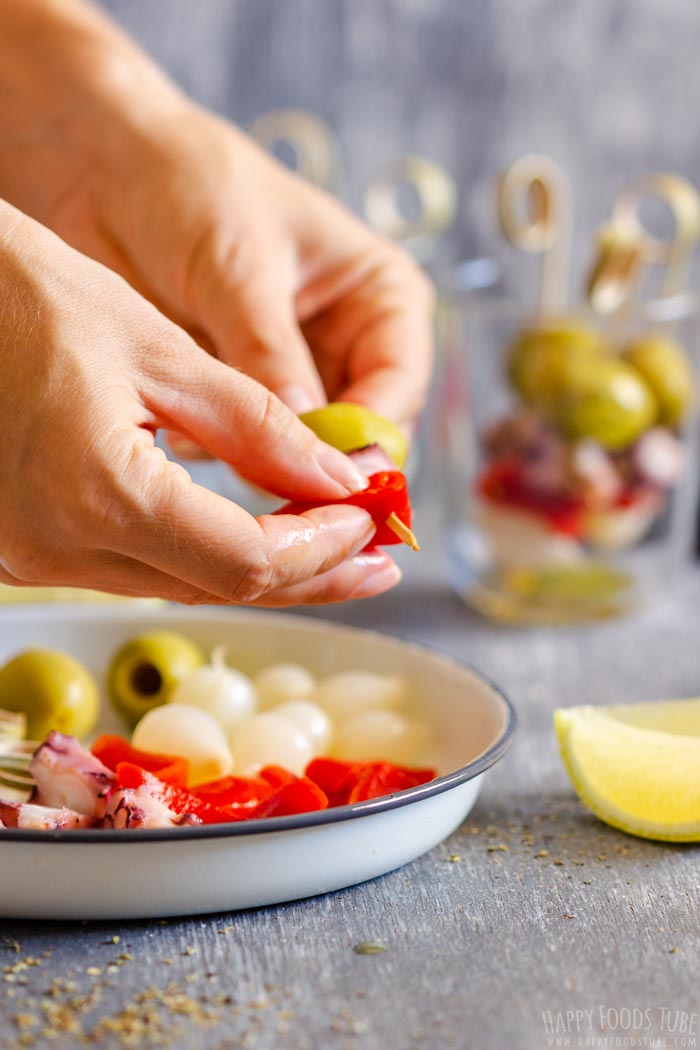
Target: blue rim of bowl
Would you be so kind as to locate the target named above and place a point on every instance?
(317, 818)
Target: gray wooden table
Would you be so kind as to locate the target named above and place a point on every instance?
(533, 922)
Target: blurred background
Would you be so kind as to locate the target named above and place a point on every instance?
(608, 88)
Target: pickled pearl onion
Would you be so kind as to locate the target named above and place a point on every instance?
(311, 719)
(225, 694)
(380, 735)
(349, 692)
(178, 729)
(281, 682)
(268, 740)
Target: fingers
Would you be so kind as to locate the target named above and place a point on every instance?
(145, 529)
(390, 380)
(237, 420)
(114, 574)
(364, 576)
(366, 311)
(374, 342)
(204, 540)
(245, 302)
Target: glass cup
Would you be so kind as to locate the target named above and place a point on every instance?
(569, 452)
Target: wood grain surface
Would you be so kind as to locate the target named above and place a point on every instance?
(531, 909)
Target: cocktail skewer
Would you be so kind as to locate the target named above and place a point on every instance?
(626, 245)
(535, 212)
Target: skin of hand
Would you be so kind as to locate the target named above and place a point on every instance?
(269, 274)
(92, 370)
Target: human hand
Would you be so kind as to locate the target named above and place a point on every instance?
(270, 274)
(91, 371)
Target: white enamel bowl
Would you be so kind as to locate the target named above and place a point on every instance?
(185, 871)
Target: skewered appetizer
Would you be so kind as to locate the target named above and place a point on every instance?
(379, 448)
(589, 455)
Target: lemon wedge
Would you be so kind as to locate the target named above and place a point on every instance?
(636, 766)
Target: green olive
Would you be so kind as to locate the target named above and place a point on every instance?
(144, 672)
(601, 398)
(53, 690)
(537, 355)
(667, 371)
(347, 426)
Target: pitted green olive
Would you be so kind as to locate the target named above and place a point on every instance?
(53, 690)
(666, 369)
(537, 356)
(601, 398)
(347, 427)
(145, 671)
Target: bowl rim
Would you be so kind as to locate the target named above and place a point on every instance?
(270, 825)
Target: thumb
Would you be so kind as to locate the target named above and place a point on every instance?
(242, 423)
(247, 310)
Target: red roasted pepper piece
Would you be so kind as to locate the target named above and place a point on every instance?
(331, 775)
(386, 494)
(233, 791)
(345, 783)
(178, 799)
(227, 814)
(131, 775)
(276, 792)
(277, 776)
(376, 779)
(301, 796)
(111, 750)
(502, 482)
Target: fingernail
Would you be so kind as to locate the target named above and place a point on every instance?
(378, 581)
(341, 469)
(298, 398)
